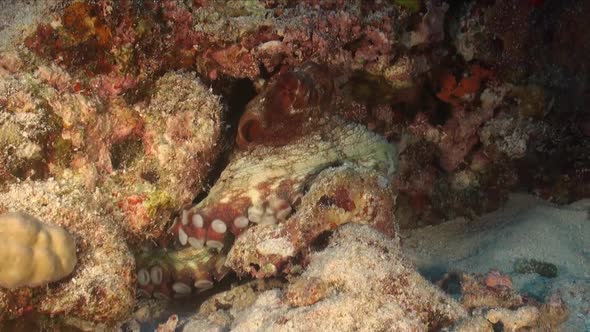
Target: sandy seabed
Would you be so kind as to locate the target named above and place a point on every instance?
(525, 228)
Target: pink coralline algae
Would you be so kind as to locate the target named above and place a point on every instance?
(104, 172)
(457, 137)
(234, 39)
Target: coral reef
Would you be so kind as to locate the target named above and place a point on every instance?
(397, 63)
(165, 164)
(102, 286)
(491, 290)
(28, 127)
(550, 92)
(538, 104)
(359, 277)
(127, 168)
(233, 39)
(40, 253)
(502, 306)
(107, 116)
(150, 158)
(483, 253)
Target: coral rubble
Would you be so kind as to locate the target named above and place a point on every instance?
(360, 277)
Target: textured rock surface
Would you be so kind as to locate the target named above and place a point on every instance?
(111, 173)
(150, 158)
(165, 163)
(359, 282)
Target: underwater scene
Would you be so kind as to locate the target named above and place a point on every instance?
(285, 165)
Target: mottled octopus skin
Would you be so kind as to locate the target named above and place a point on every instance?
(339, 195)
(266, 183)
(287, 108)
(178, 273)
(264, 186)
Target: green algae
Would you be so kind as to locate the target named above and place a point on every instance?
(62, 151)
(411, 5)
(158, 201)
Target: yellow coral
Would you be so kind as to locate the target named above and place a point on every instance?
(33, 253)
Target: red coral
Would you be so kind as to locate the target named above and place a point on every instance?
(374, 44)
(456, 137)
(135, 211)
(235, 61)
(451, 91)
(496, 279)
(182, 24)
(112, 85)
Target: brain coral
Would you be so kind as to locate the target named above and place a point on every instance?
(33, 253)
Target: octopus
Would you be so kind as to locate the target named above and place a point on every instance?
(277, 196)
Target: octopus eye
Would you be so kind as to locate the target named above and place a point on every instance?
(249, 130)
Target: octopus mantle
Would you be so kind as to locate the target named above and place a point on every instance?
(271, 203)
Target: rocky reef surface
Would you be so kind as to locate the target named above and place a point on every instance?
(359, 281)
(261, 159)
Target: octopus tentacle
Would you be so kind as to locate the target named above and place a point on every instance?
(266, 192)
(166, 274)
(338, 196)
(273, 199)
(301, 171)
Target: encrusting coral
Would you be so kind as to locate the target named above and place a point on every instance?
(409, 52)
(33, 253)
(492, 301)
(126, 170)
(165, 163)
